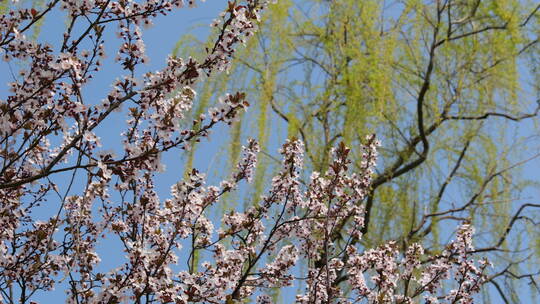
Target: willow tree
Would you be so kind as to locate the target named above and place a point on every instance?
(450, 88)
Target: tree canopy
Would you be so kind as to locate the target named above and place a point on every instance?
(449, 87)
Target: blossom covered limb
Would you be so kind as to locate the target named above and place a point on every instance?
(173, 250)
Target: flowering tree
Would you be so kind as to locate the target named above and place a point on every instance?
(48, 128)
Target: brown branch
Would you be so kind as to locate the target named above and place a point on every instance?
(496, 114)
(499, 290)
(442, 190)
